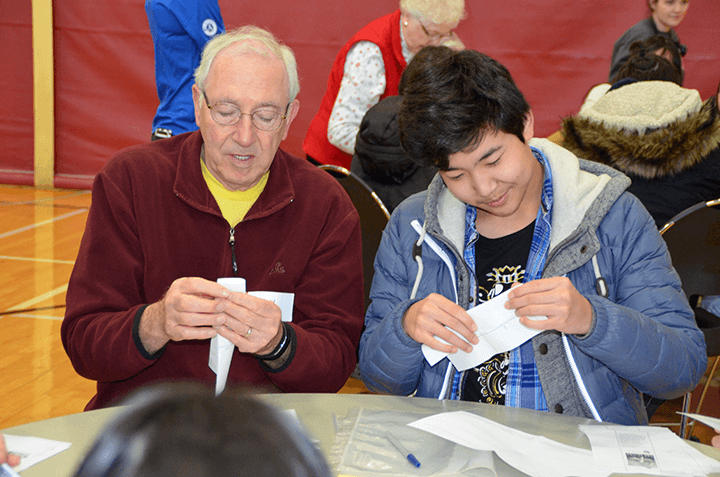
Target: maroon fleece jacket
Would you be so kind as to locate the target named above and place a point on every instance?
(153, 220)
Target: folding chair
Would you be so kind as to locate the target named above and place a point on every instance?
(693, 239)
(373, 218)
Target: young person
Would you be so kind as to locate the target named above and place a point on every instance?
(506, 208)
(665, 16)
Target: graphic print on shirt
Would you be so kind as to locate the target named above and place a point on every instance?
(491, 376)
(498, 264)
(501, 280)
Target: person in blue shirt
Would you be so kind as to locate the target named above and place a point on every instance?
(180, 29)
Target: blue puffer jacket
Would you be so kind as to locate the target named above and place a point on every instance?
(644, 338)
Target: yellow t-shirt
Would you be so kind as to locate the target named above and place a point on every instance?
(233, 204)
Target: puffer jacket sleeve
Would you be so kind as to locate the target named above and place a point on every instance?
(391, 361)
(645, 330)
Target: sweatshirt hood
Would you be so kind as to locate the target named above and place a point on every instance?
(648, 129)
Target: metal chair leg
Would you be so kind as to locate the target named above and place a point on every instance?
(683, 417)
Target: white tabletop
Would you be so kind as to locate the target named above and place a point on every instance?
(316, 412)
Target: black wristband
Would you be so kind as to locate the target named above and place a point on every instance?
(279, 349)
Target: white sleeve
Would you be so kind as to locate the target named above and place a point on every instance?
(362, 85)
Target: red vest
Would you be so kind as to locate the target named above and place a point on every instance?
(385, 33)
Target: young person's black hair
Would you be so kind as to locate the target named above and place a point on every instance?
(664, 46)
(644, 64)
(451, 99)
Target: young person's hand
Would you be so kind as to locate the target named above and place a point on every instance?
(566, 309)
(11, 459)
(433, 317)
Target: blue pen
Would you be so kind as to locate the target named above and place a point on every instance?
(402, 449)
(7, 471)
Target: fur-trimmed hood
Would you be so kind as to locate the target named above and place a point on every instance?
(649, 129)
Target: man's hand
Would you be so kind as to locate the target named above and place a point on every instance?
(189, 310)
(11, 459)
(567, 310)
(198, 309)
(252, 324)
(431, 317)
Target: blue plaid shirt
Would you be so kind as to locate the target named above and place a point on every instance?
(523, 383)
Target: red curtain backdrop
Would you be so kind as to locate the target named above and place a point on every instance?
(104, 75)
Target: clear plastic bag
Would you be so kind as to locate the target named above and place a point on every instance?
(361, 448)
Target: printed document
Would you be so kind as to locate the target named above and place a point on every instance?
(646, 450)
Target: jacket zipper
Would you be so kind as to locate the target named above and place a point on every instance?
(232, 248)
(449, 372)
(579, 380)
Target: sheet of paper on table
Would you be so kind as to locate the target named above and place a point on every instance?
(33, 449)
(221, 349)
(615, 449)
(533, 455)
(498, 329)
(646, 450)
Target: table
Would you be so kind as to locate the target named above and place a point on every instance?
(316, 413)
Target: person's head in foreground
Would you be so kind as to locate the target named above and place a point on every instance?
(460, 111)
(178, 430)
(244, 94)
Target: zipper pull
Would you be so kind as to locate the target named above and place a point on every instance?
(232, 247)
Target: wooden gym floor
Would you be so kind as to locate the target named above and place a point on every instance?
(40, 233)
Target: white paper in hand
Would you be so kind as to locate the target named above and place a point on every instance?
(285, 301)
(498, 329)
(221, 348)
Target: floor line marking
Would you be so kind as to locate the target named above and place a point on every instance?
(30, 259)
(44, 222)
(26, 315)
(34, 301)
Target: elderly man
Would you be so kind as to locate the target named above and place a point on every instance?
(170, 218)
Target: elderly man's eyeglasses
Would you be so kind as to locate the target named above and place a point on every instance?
(228, 114)
(435, 36)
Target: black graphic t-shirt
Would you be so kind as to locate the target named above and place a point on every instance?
(498, 264)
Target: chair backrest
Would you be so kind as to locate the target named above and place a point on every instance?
(693, 238)
(373, 218)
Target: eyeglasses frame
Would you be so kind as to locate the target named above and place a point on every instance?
(207, 103)
(435, 36)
